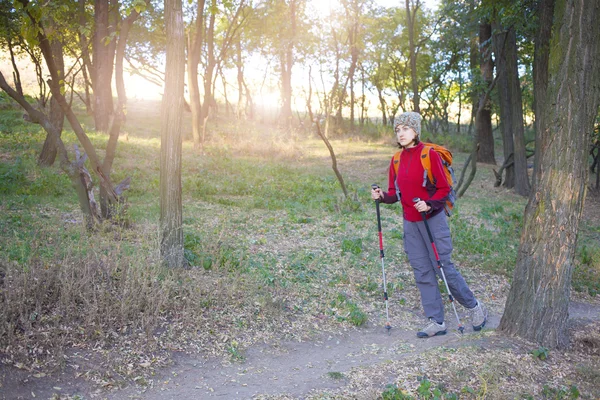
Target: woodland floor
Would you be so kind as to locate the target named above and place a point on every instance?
(352, 364)
(355, 363)
(317, 359)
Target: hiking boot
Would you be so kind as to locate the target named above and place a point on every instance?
(432, 329)
(478, 316)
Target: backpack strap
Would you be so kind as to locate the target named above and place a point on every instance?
(396, 164)
(426, 163)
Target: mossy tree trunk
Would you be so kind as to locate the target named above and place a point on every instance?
(537, 305)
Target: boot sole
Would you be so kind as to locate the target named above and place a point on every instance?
(478, 327)
(423, 335)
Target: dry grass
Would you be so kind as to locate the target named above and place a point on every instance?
(280, 261)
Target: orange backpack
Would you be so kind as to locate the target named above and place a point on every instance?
(446, 156)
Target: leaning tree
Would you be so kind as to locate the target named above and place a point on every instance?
(566, 106)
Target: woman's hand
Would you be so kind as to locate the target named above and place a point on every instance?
(421, 206)
(377, 194)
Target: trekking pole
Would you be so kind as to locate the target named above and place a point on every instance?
(388, 326)
(440, 266)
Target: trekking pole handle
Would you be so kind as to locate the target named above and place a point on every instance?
(423, 215)
(416, 200)
(375, 186)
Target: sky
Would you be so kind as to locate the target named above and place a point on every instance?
(325, 5)
(137, 87)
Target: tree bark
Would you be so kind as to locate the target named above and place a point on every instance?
(171, 230)
(410, 24)
(460, 96)
(502, 56)
(511, 107)
(16, 73)
(474, 73)
(363, 98)
(540, 73)
(194, 48)
(483, 121)
(239, 64)
(382, 105)
(102, 66)
(287, 62)
(537, 305)
(87, 60)
(57, 116)
(209, 70)
(107, 206)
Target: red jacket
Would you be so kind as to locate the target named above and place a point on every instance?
(410, 182)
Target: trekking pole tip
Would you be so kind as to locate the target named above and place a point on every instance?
(461, 329)
(388, 327)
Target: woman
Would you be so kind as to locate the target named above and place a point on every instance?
(405, 186)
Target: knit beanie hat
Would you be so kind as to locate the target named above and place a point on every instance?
(412, 120)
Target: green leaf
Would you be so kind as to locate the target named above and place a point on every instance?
(139, 6)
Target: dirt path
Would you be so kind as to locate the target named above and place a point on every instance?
(291, 369)
(294, 369)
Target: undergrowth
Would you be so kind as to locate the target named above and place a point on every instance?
(269, 237)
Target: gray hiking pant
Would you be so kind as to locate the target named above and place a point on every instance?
(421, 258)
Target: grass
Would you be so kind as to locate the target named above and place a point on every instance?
(271, 241)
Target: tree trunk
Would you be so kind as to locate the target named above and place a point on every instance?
(335, 89)
(474, 68)
(474, 72)
(354, 53)
(410, 19)
(501, 53)
(209, 70)
(287, 62)
(460, 94)
(323, 136)
(80, 177)
(515, 103)
(171, 230)
(107, 206)
(88, 147)
(239, 64)
(537, 305)
(57, 116)
(102, 66)
(16, 73)
(540, 74)
(249, 104)
(87, 61)
(483, 121)
(383, 105)
(363, 108)
(193, 59)
(511, 108)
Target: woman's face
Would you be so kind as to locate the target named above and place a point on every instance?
(405, 135)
